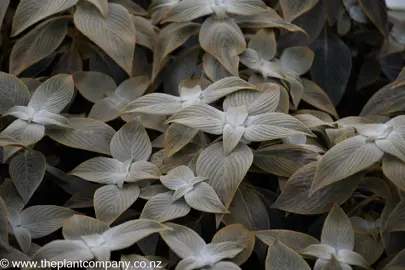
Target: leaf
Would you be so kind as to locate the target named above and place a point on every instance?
(332, 65)
(397, 262)
(3, 9)
(213, 68)
(170, 38)
(145, 32)
(246, 7)
(53, 95)
(110, 201)
(370, 249)
(162, 208)
(102, 6)
(25, 133)
(337, 230)
(204, 198)
(130, 232)
(385, 101)
(293, 9)
(79, 225)
(297, 191)
(297, 60)
(41, 220)
(284, 159)
(177, 136)
(38, 44)
(266, 19)
(393, 144)
(393, 169)
(13, 92)
(93, 86)
(59, 250)
(188, 11)
(46, 118)
(239, 234)
(114, 34)
(396, 220)
(264, 43)
(294, 240)
(23, 238)
(248, 209)
(316, 97)
(30, 12)
(131, 142)
(215, 165)
(280, 257)
(4, 222)
(345, 159)
(27, 171)
(6, 140)
(86, 134)
(376, 11)
(224, 40)
(183, 241)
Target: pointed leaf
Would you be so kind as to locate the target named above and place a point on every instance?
(322, 251)
(224, 40)
(3, 9)
(102, 6)
(213, 68)
(27, 171)
(204, 198)
(280, 257)
(24, 132)
(155, 103)
(393, 169)
(13, 92)
(131, 142)
(297, 191)
(293, 9)
(376, 11)
(130, 232)
(170, 38)
(30, 11)
(297, 60)
(264, 43)
(86, 134)
(394, 144)
(46, 118)
(294, 240)
(396, 220)
(114, 34)
(92, 85)
(215, 165)
(107, 109)
(397, 262)
(141, 170)
(110, 201)
(332, 65)
(345, 159)
(337, 230)
(39, 43)
(162, 208)
(145, 32)
(177, 136)
(316, 97)
(79, 225)
(6, 140)
(3, 222)
(183, 241)
(188, 10)
(10, 196)
(41, 220)
(60, 250)
(224, 265)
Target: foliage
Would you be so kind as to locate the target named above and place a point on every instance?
(205, 134)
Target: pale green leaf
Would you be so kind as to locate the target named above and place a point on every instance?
(130, 232)
(162, 208)
(86, 134)
(53, 95)
(281, 257)
(101, 170)
(203, 117)
(114, 34)
(394, 170)
(297, 60)
(345, 159)
(94, 86)
(188, 10)
(264, 43)
(293, 9)
(27, 171)
(183, 241)
(60, 250)
(24, 132)
(170, 38)
(337, 230)
(204, 198)
(239, 234)
(224, 40)
(31, 11)
(79, 225)
(294, 240)
(284, 159)
(13, 92)
(225, 173)
(39, 43)
(316, 97)
(145, 32)
(41, 220)
(110, 201)
(131, 142)
(101, 5)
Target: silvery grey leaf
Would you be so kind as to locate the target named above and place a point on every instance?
(79, 225)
